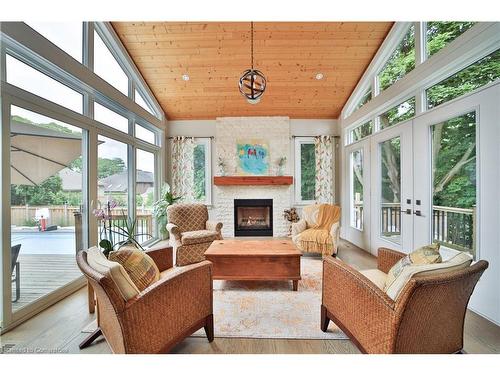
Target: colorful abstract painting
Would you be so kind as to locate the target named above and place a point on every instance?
(253, 157)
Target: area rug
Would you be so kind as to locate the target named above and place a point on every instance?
(270, 309)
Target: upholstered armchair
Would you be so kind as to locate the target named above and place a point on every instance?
(191, 233)
(426, 316)
(327, 227)
(155, 319)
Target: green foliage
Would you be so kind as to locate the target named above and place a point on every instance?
(362, 131)
(391, 170)
(47, 193)
(307, 171)
(365, 99)
(399, 113)
(107, 167)
(439, 34)
(199, 173)
(401, 61)
(160, 209)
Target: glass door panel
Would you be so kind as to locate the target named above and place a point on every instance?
(390, 192)
(357, 189)
(453, 150)
(46, 157)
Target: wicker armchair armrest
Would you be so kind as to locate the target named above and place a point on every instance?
(172, 305)
(162, 256)
(299, 227)
(214, 226)
(388, 258)
(359, 306)
(174, 231)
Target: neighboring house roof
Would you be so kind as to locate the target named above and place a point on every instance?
(71, 180)
(117, 183)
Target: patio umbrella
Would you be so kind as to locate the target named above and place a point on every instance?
(38, 153)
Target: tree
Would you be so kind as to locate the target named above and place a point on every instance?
(307, 171)
(199, 173)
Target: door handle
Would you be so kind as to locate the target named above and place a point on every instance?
(417, 213)
(407, 211)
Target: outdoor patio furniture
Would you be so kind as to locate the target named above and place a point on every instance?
(14, 254)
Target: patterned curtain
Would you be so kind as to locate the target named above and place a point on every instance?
(183, 168)
(325, 164)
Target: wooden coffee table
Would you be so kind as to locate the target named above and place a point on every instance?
(243, 259)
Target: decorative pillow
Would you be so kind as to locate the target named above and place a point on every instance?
(424, 255)
(140, 266)
(460, 261)
(113, 270)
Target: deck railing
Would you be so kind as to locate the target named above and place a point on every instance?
(452, 226)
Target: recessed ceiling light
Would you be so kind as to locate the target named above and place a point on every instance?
(319, 76)
(185, 77)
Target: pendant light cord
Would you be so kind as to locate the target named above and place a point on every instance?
(251, 48)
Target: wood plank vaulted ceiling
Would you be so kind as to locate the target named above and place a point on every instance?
(214, 55)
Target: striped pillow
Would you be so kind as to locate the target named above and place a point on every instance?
(140, 266)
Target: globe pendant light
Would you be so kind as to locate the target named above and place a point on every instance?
(252, 83)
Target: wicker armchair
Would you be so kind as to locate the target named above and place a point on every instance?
(427, 317)
(159, 317)
(191, 233)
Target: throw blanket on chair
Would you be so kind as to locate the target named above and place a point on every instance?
(318, 238)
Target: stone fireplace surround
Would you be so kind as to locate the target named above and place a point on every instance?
(274, 130)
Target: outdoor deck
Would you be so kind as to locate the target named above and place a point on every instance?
(42, 274)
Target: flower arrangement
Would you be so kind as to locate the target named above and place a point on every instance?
(160, 209)
(222, 166)
(291, 216)
(281, 165)
(124, 228)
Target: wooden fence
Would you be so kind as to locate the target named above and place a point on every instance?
(58, 215)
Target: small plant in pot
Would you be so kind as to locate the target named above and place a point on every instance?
(120, 228)
(281, 165)
(160, 209)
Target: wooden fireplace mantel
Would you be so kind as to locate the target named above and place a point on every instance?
(252, 180)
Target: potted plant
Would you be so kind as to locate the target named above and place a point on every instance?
(160, 209)
(123, 228)
(222, 166)
(291, 216)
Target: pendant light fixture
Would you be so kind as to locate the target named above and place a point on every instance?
(252, 83)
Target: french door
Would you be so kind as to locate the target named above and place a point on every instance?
(392, 189)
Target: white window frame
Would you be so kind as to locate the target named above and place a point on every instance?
(299, 141)
(207, 143)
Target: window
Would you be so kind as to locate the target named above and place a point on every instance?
(139, 99)
(202, 179)
(106, 66)
(401, 62)
(110, 118)
(144, 134)
(357, 189)
(361, 131)
(390, 190)
(47, 180)
(454, 182)
(68, 36)
(305, 164)
(145, 195)
(30, 79)
(365, 99)
(399, 113)
(476, 75)
(440, 34)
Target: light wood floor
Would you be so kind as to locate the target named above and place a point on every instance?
(59, 327)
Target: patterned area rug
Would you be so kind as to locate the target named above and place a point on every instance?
(255, 309)
(270, 309)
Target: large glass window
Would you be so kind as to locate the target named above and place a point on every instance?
(397, 114)
(454, 182)
(110, 118)
(364, 99)
(401, 62)
(30, 79)
(139, 99)
(46, 199)
(361, 131)
(201, 170)
(440, 34)
(112, 183)
(474, 76)
(144, 134)
(357, 189)
(68, 36)
(145, 195)
(390, 209)
(306, 162)
(106, 66)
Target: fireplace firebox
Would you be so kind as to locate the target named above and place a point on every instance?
(253, 217)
